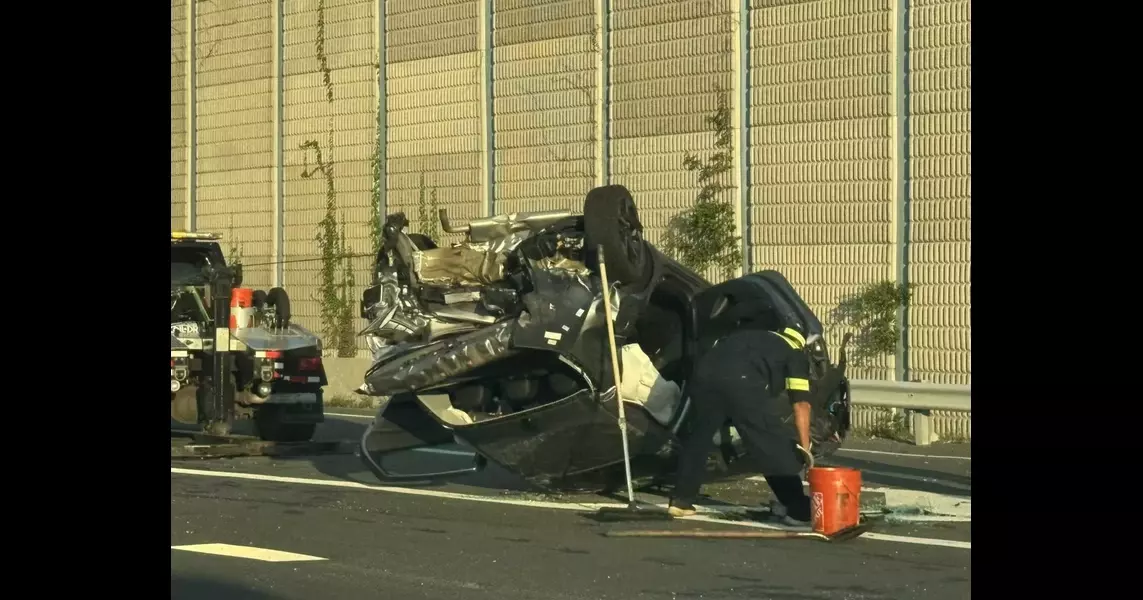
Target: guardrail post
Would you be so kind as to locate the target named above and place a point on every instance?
(278, 234)
(602, 108)
(922, 427)
(382, 115)
(191, 113)
(742, 126)
(899, 169)
(487, 126)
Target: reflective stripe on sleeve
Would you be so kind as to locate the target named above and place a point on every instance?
(797, 384)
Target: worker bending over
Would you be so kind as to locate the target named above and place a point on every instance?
(742, 378)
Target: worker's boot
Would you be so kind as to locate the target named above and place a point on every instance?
(681, 509)
(779, 513)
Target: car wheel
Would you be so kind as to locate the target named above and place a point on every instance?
(611, 220)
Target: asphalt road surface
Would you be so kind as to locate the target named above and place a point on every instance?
(488, 536)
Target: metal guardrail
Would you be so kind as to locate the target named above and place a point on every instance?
(918, 398)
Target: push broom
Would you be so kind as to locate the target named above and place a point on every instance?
(633, 511)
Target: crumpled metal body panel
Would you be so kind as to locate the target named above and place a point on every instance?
(554, 311)
(575, 435)
(459, 265)
(570, 305)
(436, 363)
(401, 424)
(503, 244)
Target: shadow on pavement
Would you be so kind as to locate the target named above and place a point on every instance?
(197, 588)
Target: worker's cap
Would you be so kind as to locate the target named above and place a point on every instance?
(794, 335)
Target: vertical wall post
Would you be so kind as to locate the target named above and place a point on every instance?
(279, 166)
(899, 155)
(382, 113)
(487, 129)
(742, 125)
(191, 115)
(602, 108)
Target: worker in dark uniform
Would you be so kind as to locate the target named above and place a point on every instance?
(759, 380)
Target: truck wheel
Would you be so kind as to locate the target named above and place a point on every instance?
(184, 405)
(611, 220)
(270, 429)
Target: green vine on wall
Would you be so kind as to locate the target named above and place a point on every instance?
(323, 61)
(337, 281)
(706, 236)
(871, 314)
(234, 252)
(376, 188)
(427, 210)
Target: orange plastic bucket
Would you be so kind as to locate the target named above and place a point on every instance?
(835, 498)
(241, 308)
(241, 298)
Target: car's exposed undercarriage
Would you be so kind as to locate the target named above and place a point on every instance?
(501, 339)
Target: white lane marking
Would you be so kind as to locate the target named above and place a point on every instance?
(885, 537)
(942, 457)
(579, 507)
(250, 552)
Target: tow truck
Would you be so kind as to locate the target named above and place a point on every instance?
(235, 354)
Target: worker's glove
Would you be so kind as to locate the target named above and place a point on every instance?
(807, 456)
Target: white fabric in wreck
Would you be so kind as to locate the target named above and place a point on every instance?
(642, 384)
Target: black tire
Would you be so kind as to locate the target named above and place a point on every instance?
(611, 220)
(280, 300)
(259, 299)
(270, 429)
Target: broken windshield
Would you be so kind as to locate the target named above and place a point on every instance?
(187, 263)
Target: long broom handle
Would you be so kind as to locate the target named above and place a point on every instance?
(615, 372)
(701, 533)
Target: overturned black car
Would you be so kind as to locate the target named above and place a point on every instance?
(499, 343)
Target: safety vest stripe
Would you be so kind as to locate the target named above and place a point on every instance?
(792, 343)
(797, 384)
(794, 335)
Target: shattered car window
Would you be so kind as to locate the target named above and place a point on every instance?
(187, 265)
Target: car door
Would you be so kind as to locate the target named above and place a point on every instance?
(763, 300)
